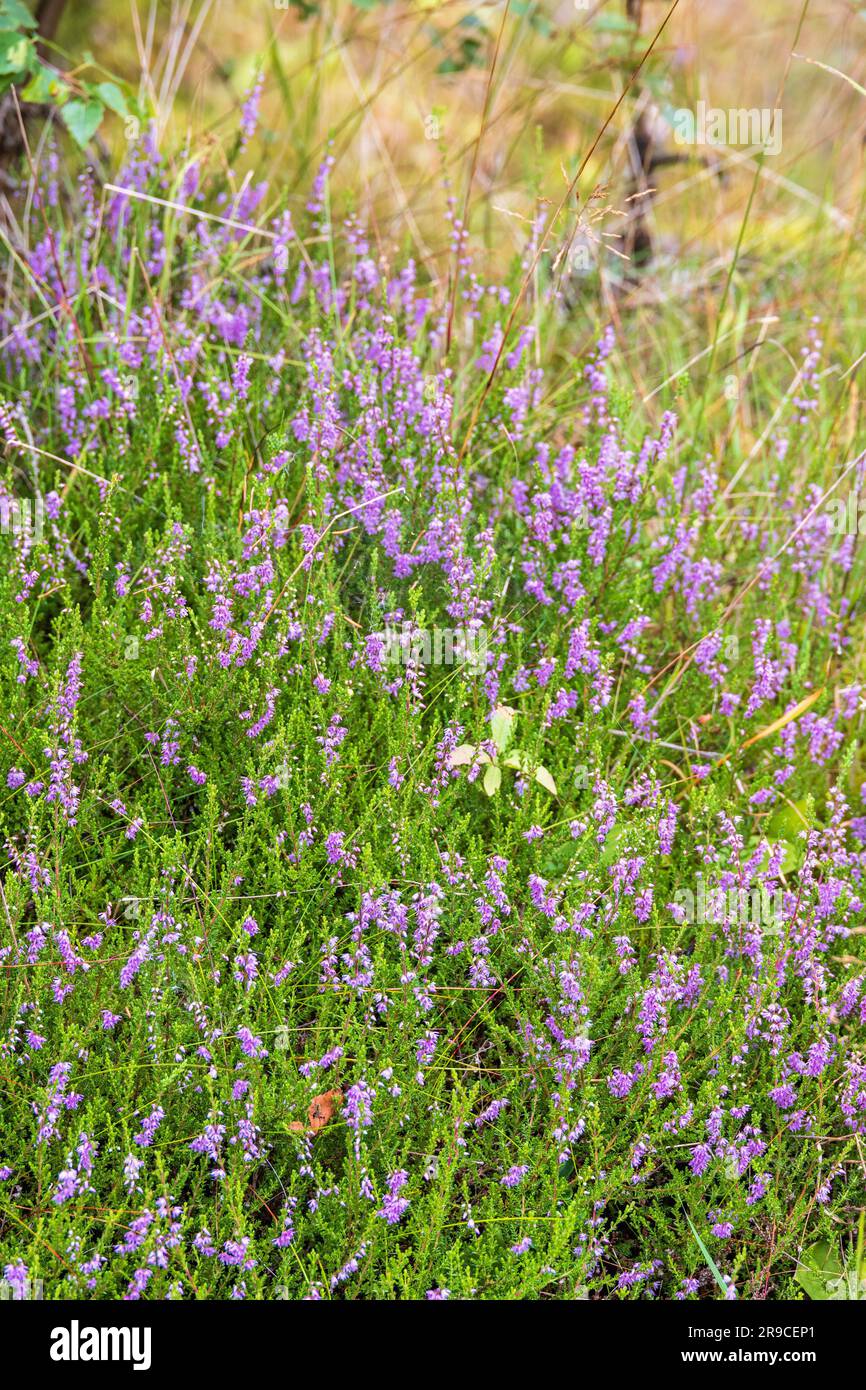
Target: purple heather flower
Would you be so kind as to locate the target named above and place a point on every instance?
(394, 1206)
(149, 1126)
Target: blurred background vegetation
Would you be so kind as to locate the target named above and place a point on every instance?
(385, 79)
(499, 106)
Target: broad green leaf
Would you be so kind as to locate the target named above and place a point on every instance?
(15, 15)
(813, 1284)
(502, 726)
(788, 820)
(523, 763)
(82, 120)
(111, 96)
(44, 86)
(616, 844)
(517, 760)
(792, 855)
(846, 1287)
(492, 779)
(819, 1267)
(544, 779)
(16, 53)
(462, 755)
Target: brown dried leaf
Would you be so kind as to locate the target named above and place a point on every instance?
(323, 1108)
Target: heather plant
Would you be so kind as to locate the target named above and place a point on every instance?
(291, 1008)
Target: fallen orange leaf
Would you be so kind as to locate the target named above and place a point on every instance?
(323, 1108)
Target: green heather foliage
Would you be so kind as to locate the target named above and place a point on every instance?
(433, 828)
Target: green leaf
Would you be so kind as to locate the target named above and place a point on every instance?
(82, 120)
(517, 760)
(788, 821)
(492, 779)
(44, 86)
(544, 779)
(502, 726)
(15, 15)
(616, 845)
(793, 855)
(523, 763)
(461, 756)
(813, 1284)
(786, 826)
(111, 96)
(17, 53)
(846, 1287)
(819, 1268)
